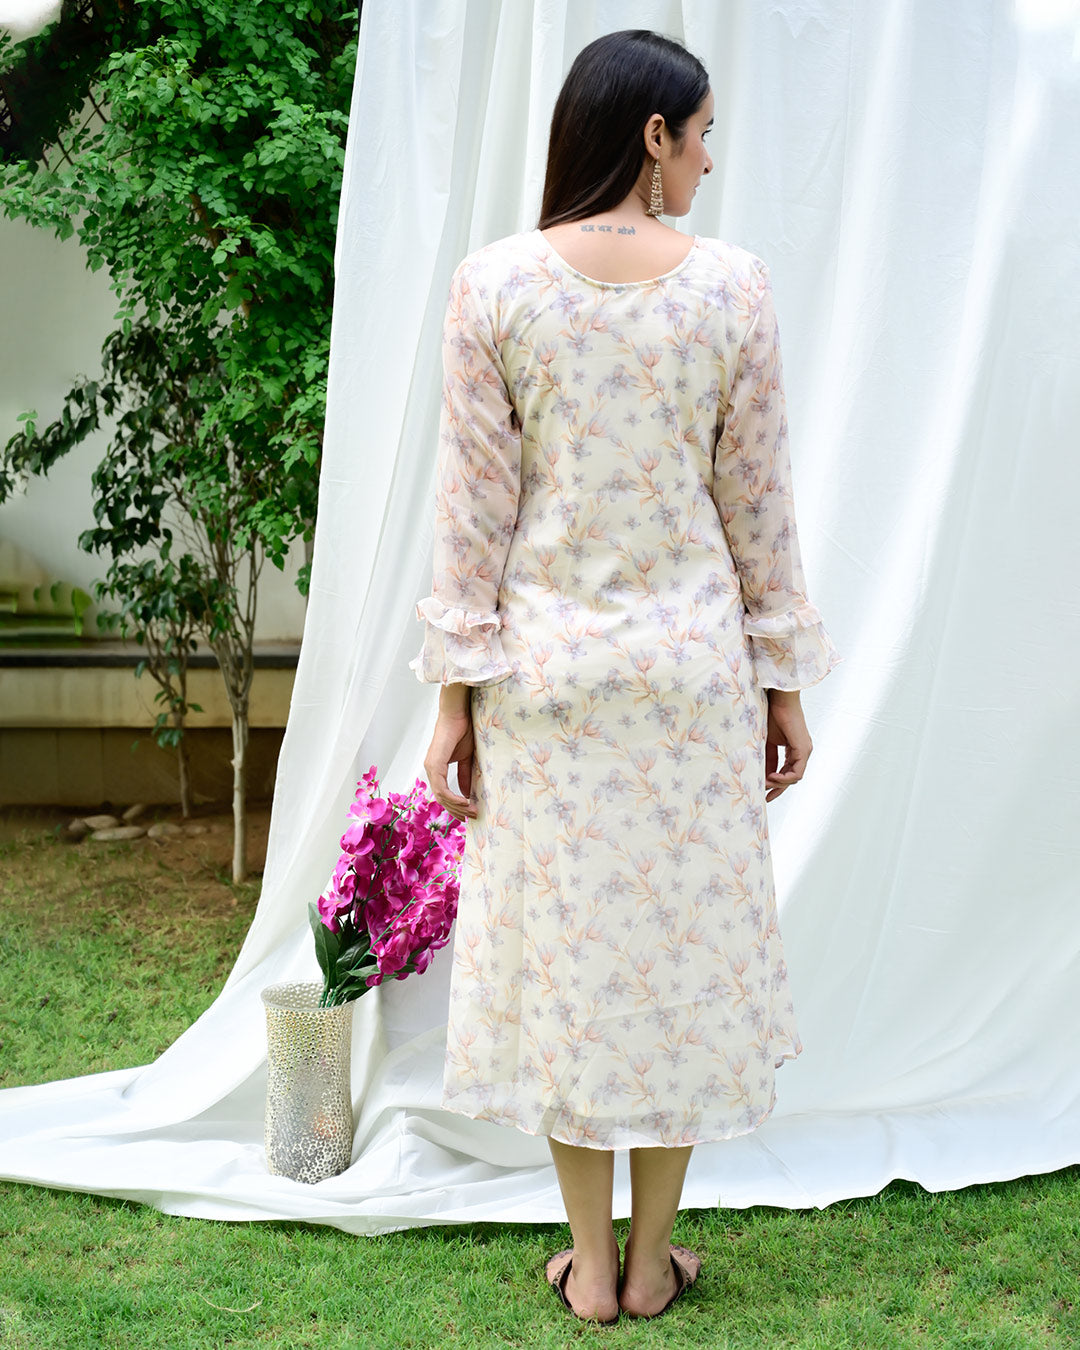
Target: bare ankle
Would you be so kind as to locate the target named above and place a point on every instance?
(646, 1269)
(598, 1255)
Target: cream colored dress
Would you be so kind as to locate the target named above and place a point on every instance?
(617, 572)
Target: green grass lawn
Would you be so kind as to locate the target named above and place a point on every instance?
(110, 951)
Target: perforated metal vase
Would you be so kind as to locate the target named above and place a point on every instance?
(309, 1122)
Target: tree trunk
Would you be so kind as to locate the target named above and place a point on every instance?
(184, 765)
(179, 718)
(239, 763)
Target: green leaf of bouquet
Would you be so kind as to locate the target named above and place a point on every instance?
(352, 955)
(327, 945)
(349, 990)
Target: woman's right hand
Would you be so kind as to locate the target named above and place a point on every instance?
(787, 728)
(452, 743)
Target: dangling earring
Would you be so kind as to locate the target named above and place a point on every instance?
(656, 198)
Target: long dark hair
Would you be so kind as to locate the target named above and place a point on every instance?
(595, 150)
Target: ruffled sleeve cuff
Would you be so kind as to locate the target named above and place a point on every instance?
(461, 646)
(791, 650)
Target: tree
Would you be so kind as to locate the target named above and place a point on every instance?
(159, 605)
(208, 185)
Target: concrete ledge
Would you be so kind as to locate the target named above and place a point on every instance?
(113, 767)
(268, 655)
(82, 693)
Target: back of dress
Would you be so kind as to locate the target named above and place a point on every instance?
(617, 572)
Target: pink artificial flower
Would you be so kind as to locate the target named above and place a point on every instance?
(327, 907)
(357, 841)
(379, 811)
(397, 877)
(343, 884)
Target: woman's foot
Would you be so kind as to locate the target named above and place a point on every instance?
(651, 1284)
(589, 1286)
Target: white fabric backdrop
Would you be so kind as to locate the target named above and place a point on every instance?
(908, 171)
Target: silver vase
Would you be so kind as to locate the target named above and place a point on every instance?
(309, 1121)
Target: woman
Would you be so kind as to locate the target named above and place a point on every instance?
(620, 626)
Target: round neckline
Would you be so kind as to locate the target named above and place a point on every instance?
(621, 285)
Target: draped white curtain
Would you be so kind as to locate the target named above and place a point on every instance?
(908, 170)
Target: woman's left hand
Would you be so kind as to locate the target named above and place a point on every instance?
(452, 743)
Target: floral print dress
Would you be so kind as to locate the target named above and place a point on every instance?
(617, 574)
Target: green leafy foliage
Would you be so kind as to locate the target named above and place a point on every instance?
(205, 176)
(210, 192)
(345, 970)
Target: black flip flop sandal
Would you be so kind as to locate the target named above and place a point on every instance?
(558, 1283)
(683, 1281)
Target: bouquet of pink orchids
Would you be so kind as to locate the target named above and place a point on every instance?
(393, 896)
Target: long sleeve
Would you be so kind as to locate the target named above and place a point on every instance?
(478, 483)
(752, 488)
